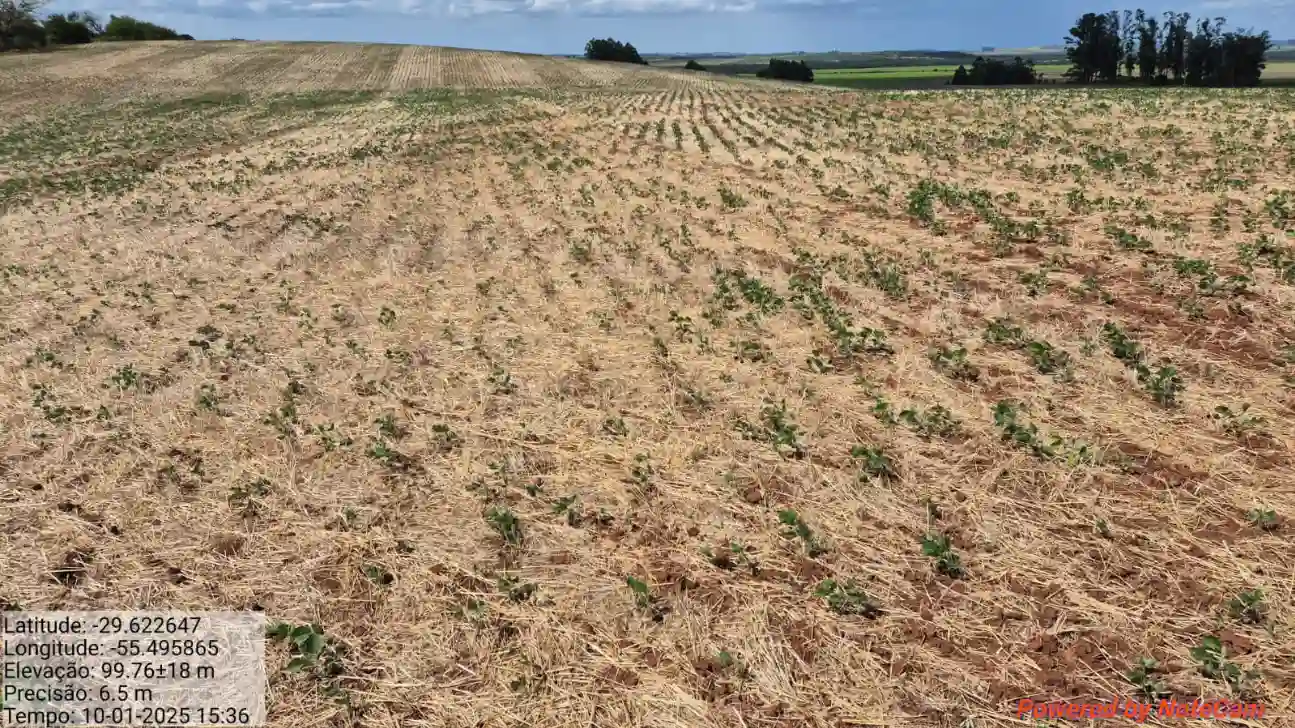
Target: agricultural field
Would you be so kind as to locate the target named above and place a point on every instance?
(918, 77)
(1277, 73)
(842, 59)
(901, 69)
(886, 78)
(911, 77)
(563, 394)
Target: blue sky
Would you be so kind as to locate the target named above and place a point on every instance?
(563, 26)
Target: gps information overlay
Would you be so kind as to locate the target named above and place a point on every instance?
(132, 668)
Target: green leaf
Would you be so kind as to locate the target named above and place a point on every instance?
(934, 546)
(313, 645)
(301, 633)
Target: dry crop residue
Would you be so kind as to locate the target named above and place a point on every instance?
(592, 395)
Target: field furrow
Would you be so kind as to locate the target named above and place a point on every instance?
(370, 68)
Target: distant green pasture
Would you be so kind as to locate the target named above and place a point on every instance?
(904, 76)
(916, 77)
(1279, 71)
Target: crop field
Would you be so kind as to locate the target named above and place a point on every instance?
(546, 393)
(914, 77)
(896, 77)
(1277, 73)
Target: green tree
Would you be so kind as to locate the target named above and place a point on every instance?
(1112, 49)
(996, 72)
(1148, 31)
(1173, 45)
(1081, 47)
(125, 27)
(693, 65)
(1243, 58)
(1163, 50)
(1216, 58)
(1204, 53)
(787, 70)
(1129, 42)
(19, 27)
(610, 49)
(72, 29)
(1094, 48)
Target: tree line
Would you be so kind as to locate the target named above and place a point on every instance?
(1161, 51)
(996, 72)
(787, 71)
(610, 49)
(1164, 50)
(21, 27)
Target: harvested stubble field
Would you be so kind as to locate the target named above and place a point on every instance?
(602, 396)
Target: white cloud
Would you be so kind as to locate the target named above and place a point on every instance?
(486, 7)
(234, 9)
(1241, 4)
(601, 7)
(617, 7)
(330, 6)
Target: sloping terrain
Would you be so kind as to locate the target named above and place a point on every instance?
(581, 395)
(112, 71)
